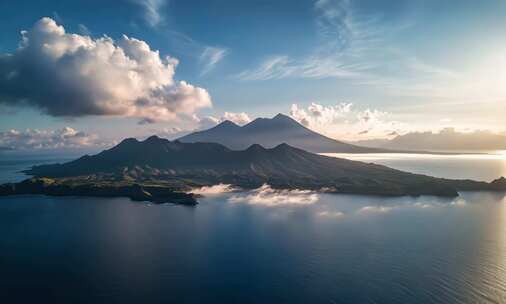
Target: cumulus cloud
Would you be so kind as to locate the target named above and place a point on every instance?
(238, 118)
(49, 139)
(317, 114)
(207, 122)
(167, 132)
(267, 196)
(210, 57)
(214, 190)
(71, 75)
(343, 121)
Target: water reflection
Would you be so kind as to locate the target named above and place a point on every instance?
(485, 166)
(263, 246)
(339, 248)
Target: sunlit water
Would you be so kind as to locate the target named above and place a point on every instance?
(486, 167)
(254, 248)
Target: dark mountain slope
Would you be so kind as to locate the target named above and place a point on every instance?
(281, 167)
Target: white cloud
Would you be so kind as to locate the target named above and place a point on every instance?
(424, 204)
(274, 67)
(348, 46)
(360, 48)
(344, 122)
(376, 209)
(207, 122)
(152, 11)
(168, 132)
(459, 202)
(317, 114)
(63, 138)
(210, 57)
(71, 75)
(214, 190)
(238, 118)
(267, 196)
(330, 214)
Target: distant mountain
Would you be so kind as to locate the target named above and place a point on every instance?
(283, 166)
(445, 140)
(272, 132)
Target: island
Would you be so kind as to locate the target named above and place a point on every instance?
(159, 170)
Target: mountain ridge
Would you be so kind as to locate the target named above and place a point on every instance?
(269, 132)
(201, 164)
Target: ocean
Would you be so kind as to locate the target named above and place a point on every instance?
(262, 246)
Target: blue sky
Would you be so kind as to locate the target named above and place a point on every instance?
(349, 69)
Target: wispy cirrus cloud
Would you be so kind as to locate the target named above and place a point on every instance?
(347, 43)
(210, 57)
(356, 47)
(84, 30)
(153, 14)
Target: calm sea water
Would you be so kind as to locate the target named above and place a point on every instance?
(487, 166)
(11, 166)
(263, 246)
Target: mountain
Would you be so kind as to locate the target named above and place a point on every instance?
(198, 164)
(270, 133)
(444, 140)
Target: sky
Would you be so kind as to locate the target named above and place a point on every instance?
(89, 73)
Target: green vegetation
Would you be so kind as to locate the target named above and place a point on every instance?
(91, 186)
(159, 170)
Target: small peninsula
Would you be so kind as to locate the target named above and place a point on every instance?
(154, 193)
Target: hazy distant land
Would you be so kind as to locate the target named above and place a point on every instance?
(445, 140)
